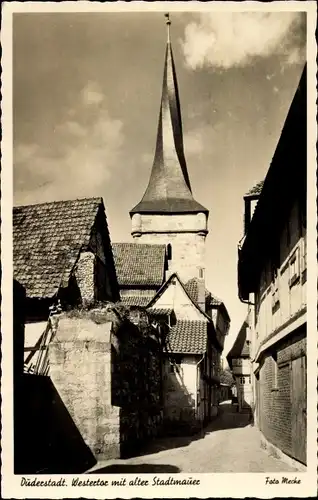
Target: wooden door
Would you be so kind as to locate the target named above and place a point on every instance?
(299, 408)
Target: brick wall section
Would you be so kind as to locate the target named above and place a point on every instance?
(84, 274)
(276, 405)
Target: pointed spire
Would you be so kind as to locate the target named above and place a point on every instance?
(168, 23)
(169, 187)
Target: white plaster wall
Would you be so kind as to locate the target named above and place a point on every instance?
(180, 387)
(291, 298)
(32, 333)
(188, 371)
(241, 366)
(174, 297)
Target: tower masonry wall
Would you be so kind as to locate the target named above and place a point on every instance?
(169, 222)
(186, 235)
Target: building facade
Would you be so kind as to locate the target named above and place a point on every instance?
(272, 280)
(240, 364)
(191, 349)
(62, 257)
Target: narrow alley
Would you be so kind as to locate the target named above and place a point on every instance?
(228, 444)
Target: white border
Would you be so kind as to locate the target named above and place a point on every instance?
(218, 485)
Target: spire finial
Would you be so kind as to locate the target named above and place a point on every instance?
(168, 23)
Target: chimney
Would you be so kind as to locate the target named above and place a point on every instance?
(201, 288)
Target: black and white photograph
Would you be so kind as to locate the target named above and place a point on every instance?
(159, 250)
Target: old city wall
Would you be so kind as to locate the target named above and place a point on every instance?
(108, 375)
(80, 369)
(137, 380)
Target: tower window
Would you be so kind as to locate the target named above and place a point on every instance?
(201, 273)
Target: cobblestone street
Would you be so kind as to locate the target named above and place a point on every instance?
(228, 444)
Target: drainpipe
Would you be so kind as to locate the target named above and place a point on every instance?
(198, 382)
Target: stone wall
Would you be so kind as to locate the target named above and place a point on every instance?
(80, 368)
(107, 371)
(137, 380)
(85, 277)
(186, 234)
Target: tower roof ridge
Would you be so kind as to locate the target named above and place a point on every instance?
(169, 188)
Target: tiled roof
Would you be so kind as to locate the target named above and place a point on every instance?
(47, 239)
(192, 289)
(136, 300)
(241, 348)
(256, 190)
(156, 311)
(188, 337)
(139, 264)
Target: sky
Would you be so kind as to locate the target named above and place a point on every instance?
(86, 99)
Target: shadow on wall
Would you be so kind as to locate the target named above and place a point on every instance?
(136, 468)
(46, 439)
(179, 404)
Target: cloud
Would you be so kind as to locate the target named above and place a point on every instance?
(225, 40)
(79, 156)
(91, 94)
(193, 142)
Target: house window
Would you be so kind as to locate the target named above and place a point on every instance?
(294, 268)
(305, 253)
(275, 295)
(242, 380)
(201, 272)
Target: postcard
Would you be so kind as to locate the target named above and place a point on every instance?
(159, 244)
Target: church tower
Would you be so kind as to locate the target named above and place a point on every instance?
(167, 213)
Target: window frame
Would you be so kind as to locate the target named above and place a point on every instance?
(294, 262)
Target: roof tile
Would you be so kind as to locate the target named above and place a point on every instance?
(192, 288)
(139, 264)
(188, 337)
(47, 239)
(156, 311)
(136, 300)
